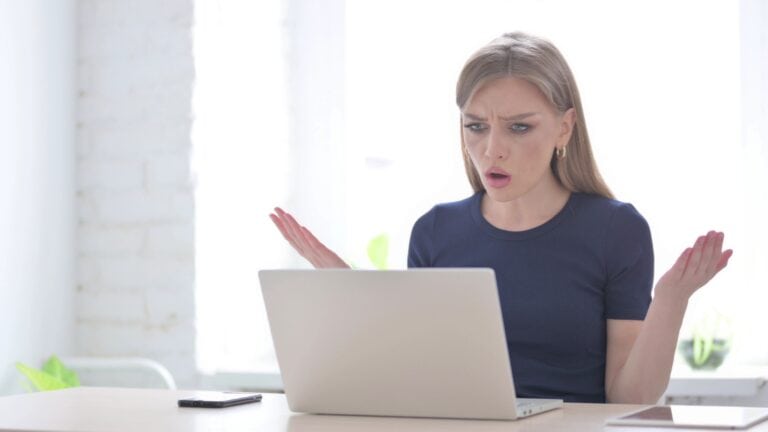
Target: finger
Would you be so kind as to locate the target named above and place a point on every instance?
(329, 257)
(298, 247)
(295, 229)
(284, 222)
(708, 254)
(723, 260)
(292, 224)
(717, 254)
(314, 247)
(280, 224)
(312, 241)
(309, 244)
(695, 259)
(280, 212)
(677, 270)
(325, 255)
(286, 218)
(300, 244)
(283, 229)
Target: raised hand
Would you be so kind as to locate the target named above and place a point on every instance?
(695, 267)
(305, 243)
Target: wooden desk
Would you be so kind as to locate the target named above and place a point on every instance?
(141, 410)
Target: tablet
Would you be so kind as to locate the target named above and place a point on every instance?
(713, 417)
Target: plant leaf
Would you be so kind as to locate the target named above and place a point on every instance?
(56, 369)
(39, 379)
(378, 251)
(698, 346)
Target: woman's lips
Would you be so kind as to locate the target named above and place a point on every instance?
(497, 178)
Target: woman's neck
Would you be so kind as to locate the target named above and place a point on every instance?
(528, 211)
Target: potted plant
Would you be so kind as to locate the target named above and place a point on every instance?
(53, 376)
(708, 345)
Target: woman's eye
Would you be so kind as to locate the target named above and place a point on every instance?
(519, 127)
(475, 127)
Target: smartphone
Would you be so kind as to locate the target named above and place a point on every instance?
(220, 400)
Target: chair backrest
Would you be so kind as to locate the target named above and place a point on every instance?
(137, 372)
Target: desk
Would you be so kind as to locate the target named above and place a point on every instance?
(146, 410)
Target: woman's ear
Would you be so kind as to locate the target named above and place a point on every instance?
(567, 121)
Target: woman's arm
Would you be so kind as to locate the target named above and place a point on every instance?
(640, 353)
(305, 243)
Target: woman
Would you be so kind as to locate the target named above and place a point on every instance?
(574, 267)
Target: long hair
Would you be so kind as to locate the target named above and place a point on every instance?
(539, 62)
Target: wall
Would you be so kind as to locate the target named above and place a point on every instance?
(135, 284)
(754, 76)
(37, 73)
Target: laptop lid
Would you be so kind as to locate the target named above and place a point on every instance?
(421, 342)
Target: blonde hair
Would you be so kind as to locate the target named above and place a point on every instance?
(539, 62)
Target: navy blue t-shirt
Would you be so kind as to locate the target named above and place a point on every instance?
(558, 284)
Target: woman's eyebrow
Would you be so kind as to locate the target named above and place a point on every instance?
(519, 116)
(475, 117)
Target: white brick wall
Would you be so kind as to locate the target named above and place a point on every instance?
(135, 293)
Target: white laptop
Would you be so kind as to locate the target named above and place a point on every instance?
(415, 343)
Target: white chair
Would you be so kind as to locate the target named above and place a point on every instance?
(120, 372)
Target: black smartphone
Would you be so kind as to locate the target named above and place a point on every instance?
(220, 400)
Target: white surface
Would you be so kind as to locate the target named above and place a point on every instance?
(121, 410)
(37, 127)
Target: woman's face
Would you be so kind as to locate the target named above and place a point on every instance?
(510, 131)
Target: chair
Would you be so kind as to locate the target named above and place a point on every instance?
(120, 372)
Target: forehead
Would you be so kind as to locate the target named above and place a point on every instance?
(509, 95)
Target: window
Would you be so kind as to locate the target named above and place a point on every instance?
(344, 114)
(241, 156)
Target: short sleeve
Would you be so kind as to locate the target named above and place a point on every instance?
(629, 265)
(420, 245)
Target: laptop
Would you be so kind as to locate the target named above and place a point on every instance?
(412, 343)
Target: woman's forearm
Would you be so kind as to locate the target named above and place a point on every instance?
(645, 374)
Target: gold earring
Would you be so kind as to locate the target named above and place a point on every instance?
(561, 152)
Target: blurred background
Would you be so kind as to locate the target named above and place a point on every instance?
(143, 145)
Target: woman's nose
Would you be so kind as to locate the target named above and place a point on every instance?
(495, 148)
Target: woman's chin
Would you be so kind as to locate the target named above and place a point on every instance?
(504, 194)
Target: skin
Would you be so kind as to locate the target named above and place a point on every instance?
(509, 125)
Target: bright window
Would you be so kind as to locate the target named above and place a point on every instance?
(345, 115)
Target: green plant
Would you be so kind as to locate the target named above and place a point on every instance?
(378, 251)
(708, 345)
(53, 376)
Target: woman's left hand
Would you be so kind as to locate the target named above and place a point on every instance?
(695, 267)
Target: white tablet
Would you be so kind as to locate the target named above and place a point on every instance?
(713, 417)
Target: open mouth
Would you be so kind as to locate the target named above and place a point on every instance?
(497, 178)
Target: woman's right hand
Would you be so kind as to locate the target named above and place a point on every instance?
(305, 243)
